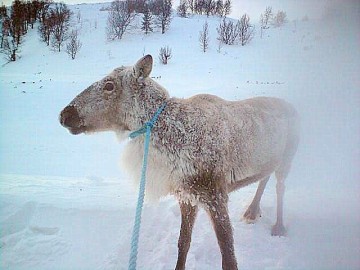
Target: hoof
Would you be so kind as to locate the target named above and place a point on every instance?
(251, 215)
(278, 230)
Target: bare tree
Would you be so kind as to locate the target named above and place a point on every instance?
(267, 16)
(28, 19)
(265, 19)
(23, 14)
(204, 37)
(200, 6)
(10, 49)
(279, 19)
(44, 9)
(182, 9)
(13, 28)
(227, 8)
(219, 8)
(147, 22)
(228, 31)
(60, 15)
(246, 30)
(163, 14)
(46, 28)
(17, 16)
(165, 55)
(5, 28)
(191, 5)
(3, 11)
(74, 44)
(140, 6)
(209, 7)
(121, 14)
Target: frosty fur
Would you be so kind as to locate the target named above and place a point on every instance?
(201, 148)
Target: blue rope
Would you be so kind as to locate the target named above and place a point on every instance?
(136, 229)
(150, 124)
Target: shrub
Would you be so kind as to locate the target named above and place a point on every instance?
(165, 54)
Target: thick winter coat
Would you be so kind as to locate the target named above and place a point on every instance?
(201, 148)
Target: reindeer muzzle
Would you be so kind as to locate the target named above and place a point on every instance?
(70, 119)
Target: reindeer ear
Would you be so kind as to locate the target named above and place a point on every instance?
(143, 67)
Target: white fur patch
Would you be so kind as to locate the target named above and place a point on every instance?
(158, 175)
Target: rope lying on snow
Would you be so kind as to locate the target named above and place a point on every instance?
(136, 229)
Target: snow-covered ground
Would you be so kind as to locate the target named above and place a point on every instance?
(65, 204)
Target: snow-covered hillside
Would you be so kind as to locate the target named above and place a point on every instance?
(65, 203)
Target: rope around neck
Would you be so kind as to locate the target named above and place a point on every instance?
(136, 229)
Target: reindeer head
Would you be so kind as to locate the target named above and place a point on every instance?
(109, 103)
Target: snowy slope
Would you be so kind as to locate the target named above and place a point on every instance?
(65, 204)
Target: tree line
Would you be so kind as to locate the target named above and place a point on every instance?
(15, 22)
(204, 7)
(155, 13)
(54, 22)
(241, 31)
(53, 26)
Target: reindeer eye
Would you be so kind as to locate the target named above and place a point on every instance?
(109, 86)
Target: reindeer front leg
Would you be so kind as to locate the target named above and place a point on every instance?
(219, 215)
(188, 215)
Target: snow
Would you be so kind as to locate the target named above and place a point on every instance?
(65, 203)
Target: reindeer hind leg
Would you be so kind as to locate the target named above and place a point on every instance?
(279, 229)
(253, 211)
(281, 173)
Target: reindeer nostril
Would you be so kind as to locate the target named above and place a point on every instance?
(69, 117)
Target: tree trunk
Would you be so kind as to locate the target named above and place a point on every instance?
(13, 55)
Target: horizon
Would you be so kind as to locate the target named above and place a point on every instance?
(69, 2)
(308, 8)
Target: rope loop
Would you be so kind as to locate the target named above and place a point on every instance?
(150, 123)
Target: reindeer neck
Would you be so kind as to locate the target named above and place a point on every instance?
(148, 102)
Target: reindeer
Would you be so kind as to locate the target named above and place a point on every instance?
(201, 149)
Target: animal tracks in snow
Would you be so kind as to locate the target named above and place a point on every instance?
(44, 230)
(262, 82)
